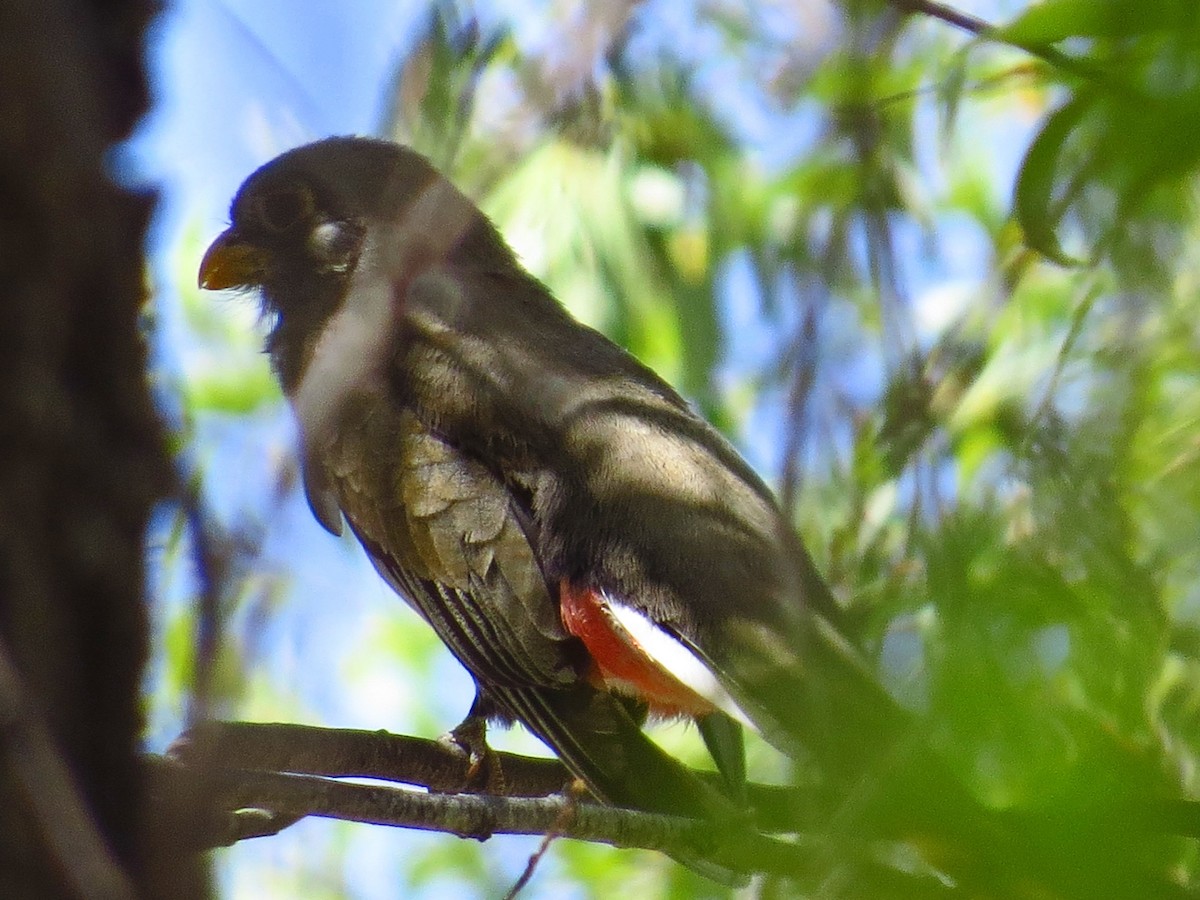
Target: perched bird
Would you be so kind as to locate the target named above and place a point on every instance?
(588, 547)
(585, 544)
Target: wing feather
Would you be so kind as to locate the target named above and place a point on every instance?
(450, 538)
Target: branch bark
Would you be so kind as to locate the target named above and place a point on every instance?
(439, 766)
(250, 777)
(253, 780)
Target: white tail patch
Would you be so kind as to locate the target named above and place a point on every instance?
(673, 656)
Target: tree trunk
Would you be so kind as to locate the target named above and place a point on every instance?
(82, 460)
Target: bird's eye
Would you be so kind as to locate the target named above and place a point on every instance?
(334, 245)
(284, 208)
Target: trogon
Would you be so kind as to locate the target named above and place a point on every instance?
(584, 543)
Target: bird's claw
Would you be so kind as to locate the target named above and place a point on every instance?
(484, 773)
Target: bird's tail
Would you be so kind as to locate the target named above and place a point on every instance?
(602, 744)
(818, 701)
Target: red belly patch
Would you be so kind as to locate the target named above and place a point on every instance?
(621, 664)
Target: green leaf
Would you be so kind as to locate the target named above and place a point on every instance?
(950, 91)
(1056, 20)
(1034, 201)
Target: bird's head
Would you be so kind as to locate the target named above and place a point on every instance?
(298, 226)
(301, 217)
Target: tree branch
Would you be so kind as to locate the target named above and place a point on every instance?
(286, 798)
(253, 780)
(439, 766)
(256, 779)
(986, 31)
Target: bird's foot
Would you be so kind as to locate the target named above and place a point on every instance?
(484, 773)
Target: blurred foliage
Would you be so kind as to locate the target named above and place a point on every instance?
(1112, 159)
(942, 285)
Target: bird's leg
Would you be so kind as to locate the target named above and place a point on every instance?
(484, 773)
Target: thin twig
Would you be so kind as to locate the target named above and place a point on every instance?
(986, 31)
(967, 22)
(804, 352)
(211, 565)
(574, 795)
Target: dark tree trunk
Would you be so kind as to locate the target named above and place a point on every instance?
(82, 459)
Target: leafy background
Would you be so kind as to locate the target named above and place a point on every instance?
(937, 280)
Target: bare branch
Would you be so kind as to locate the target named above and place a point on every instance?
(253, 780)
(440, 766)
(479, 817)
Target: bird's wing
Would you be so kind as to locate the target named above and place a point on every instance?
(441, 527)
(445, 532)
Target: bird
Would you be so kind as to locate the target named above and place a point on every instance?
(588, 546)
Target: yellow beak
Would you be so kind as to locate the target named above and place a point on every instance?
(232, 263)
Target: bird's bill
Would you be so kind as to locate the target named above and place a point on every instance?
(231, 263)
